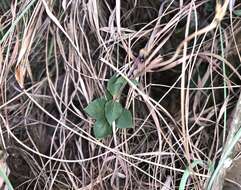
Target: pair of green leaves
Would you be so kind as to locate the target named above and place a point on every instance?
(106, 110)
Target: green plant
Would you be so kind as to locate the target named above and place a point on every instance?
(5, 179)
(237, 12)
(187, 173)
(107, 109)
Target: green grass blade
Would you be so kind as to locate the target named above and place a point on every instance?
(187, 173)
(16, 21)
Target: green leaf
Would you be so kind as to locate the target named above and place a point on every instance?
(113, 111)
(125, 120)
(237, 12)
(96, 108)
(115, 84)
(5, 179)
(102, 129)
(108, 95)
(135, 82)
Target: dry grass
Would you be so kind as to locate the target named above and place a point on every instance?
(55, 58)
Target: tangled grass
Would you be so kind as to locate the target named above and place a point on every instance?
(57, 56)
